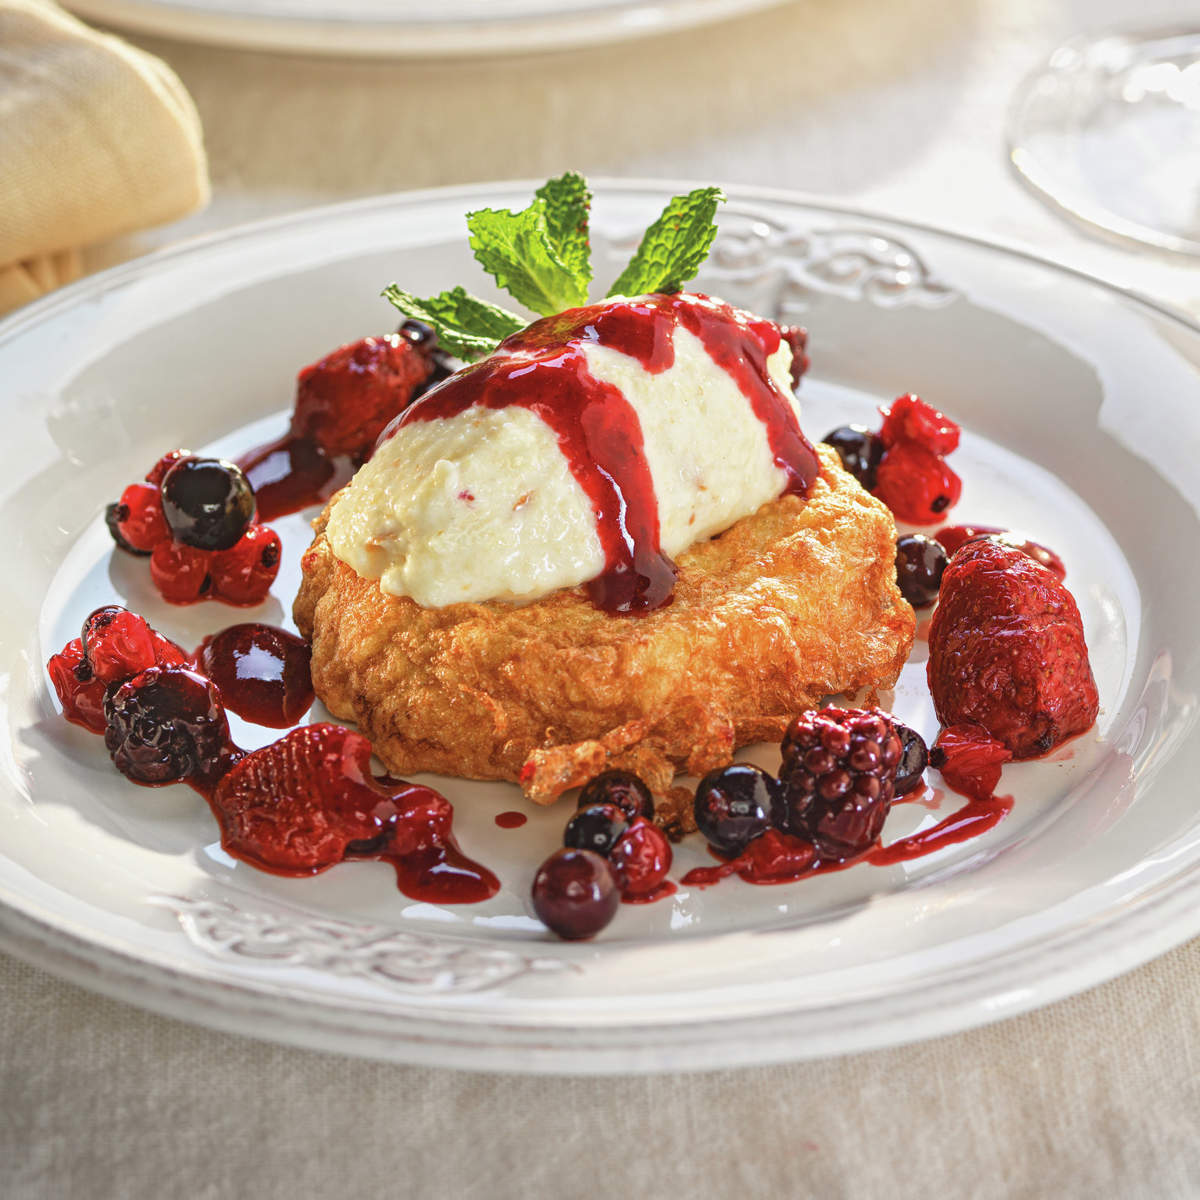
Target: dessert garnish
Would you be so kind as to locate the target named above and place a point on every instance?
(904, 463)
(195, 519)
(1007, 651)
(542, 257)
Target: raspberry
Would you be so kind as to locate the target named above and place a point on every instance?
(157, 472)
(138, 518)
(79, 692)
(181, 573)
(970, 760)
(838, 774)
(344, 401)
(1007, 651)
(303, 803)
(117, 644)
(244, 573)
(910, 419)
(164, 725)
(640, 859)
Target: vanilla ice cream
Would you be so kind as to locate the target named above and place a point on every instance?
(484, 504)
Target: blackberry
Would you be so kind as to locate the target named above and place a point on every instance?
(164, 725)
(838, 776)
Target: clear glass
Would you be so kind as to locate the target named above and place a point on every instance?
(1108, 130)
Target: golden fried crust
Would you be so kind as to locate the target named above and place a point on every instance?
(795, 602)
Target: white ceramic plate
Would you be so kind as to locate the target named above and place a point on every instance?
(410, 28)
(1082, 410)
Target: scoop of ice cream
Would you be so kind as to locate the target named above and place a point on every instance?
(662, 419)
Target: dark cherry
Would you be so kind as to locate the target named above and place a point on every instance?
(622, 788)
(114, 514)
(263, 673)
(733, 806)
(920, 562)
(596, 827)
(914, 758)
(208, 502)
(860, 451)
(575, 894)
(164, 725)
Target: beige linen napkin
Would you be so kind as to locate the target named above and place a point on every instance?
(97, 139)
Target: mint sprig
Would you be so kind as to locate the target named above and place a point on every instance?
(542, 257)
(673, 248)
(516, 249)
(466, 326)
(567, 200)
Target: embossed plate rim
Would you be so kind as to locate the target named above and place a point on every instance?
(1061, 964)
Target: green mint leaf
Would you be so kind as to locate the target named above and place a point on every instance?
(515, 248)
(674, 246)
(567, 200)
(466, 326)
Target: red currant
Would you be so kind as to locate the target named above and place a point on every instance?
(139, 516)
(181, 573)
(244, 573)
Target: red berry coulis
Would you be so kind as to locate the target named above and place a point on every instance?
(263, 673)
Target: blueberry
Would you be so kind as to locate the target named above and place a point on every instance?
(622, 788)
(596, 827)
(208, 503)
(418, 334)
(914, 758)
(920, 561)
(733, 806)
(575, 894)
(860, 451)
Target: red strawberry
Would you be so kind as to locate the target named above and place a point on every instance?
(344, 401)
(910, 419)
(309, 800)
(1007, 652)
(117, 643)
(970, 760)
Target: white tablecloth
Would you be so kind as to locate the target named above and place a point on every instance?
(897, 105)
